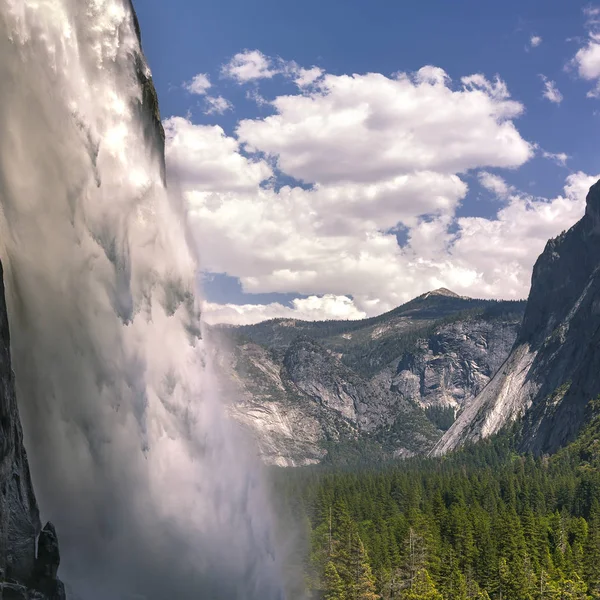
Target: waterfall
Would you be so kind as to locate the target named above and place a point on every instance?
(152, 491)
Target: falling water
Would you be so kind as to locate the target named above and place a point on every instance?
(151, 492)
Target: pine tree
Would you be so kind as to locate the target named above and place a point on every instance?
(333, 587)
(363, 583)
(573, 588)
(484, 523)
(423, 588)
(504, 579)
(414, 557)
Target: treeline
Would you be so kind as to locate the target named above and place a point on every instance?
(444, 309)
(485, 523)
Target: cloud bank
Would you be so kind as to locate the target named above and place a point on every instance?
(376, 169)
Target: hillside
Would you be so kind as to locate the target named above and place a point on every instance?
(359, 390)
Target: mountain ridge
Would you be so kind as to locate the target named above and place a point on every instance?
(409, 371)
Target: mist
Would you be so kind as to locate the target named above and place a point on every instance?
(153, 492)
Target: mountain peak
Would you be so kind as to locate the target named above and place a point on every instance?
(441, 292)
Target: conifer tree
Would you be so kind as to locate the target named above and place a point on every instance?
(573, 588)
(591, 561)
(362, 586)
(333, 587)
(423, 588)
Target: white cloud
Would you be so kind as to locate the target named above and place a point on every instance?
(559, 158)
(380, 153)
(496, 90)
(313, 308)
(334, 240)
(535, 41)
(587, 58)
(253, 65)
(198, 85)
(368, 128)
(502, 251)
(551, 92)
(249, 65)
(203, 159)
(495, 184)
(305, 77)
(217, 105)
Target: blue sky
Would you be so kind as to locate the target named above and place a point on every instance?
(532, 46)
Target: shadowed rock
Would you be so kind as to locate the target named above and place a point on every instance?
(554, 368)
(19, 514)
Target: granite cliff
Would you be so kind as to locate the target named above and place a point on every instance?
(380, 387)
(553, 371)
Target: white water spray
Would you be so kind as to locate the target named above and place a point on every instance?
(131, 457)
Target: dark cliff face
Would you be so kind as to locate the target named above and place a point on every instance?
(149, 111)
(562, 323)
(553, 371)
(19, 516)
(20, 568)
(561, 274)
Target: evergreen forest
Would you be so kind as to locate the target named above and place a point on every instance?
(485, 522)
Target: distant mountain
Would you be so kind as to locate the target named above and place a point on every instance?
(379, 387)
(553, 371)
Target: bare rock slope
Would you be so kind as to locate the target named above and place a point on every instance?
(392, 384)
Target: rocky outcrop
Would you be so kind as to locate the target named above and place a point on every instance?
(301, 388)
(149, 111)
(20, 568)
(365, 404)
(454, 363)
(287, 430)
(553, 370)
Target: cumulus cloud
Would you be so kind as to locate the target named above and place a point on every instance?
(367, 128)
(313, 308)
(249, 65)
(551, 92)
(306, 77)
(377, 154)
(535, 41)
(587, 58)
(198, 85)
(204, 159)
(253, 65)
(484, 258)
(501, 251)
(495, 184)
